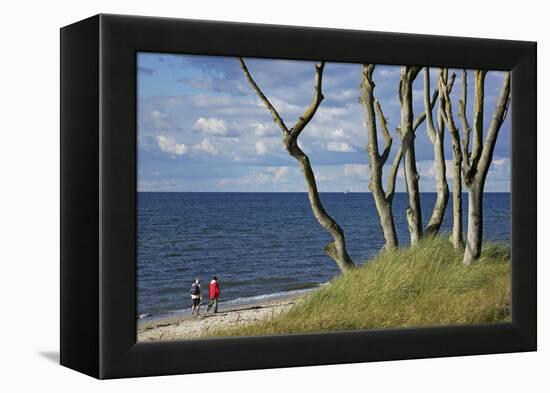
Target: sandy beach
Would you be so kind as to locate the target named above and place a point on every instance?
(185, 327)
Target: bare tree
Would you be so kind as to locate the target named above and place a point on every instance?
(475, 165)
(382, 200)
(457, 236)
(335, 249)
(414, 211)
(437, 137)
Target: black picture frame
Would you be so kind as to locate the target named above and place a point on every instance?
(98, 195)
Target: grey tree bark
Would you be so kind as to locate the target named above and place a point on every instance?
(481, 160)
(437, 136)
(414, 211)
(335, 249)
(382, 200)
(457, 234)
(475, 165)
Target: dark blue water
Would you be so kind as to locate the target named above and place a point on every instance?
(263, 243)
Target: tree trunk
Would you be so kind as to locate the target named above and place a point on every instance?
(457, 236)
(383, 204)
(414, 212)
(475, 223)
(437, 138)
(481, 160)
(337, 248)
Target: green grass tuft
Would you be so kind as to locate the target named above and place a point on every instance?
(425, 285)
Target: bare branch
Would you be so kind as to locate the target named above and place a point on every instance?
(479, 98)
(449, 121)
(276, 118)
(386, 134)
(390, 188)
(494, 127)
(441, 109)
(427, 106)
(317, 98)
(466, 130)
(413, 72)
(420, 119)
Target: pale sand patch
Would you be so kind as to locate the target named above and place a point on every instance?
(187, 327)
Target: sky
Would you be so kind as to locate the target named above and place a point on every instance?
(202, 128)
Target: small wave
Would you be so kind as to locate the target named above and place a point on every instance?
(267, 296)
(174, 254)
(234, 302)
(302, 285)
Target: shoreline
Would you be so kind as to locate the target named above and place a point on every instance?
(183, 326)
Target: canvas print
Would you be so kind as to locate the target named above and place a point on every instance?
(280, 196)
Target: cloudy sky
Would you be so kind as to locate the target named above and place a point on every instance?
(202, 128)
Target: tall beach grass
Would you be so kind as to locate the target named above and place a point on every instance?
(424, 285)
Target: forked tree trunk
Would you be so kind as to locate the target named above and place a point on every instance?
(436, 136)
(475, 166)
(456, 236)
(335, 249)
(481, 160)
(414, 212)
(377, 161)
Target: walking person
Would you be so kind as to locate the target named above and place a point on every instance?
(196, 297)
(214, 290)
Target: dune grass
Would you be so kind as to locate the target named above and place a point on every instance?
(425, 285)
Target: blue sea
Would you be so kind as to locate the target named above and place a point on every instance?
(263, 245)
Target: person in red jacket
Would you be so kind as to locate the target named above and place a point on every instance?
(214, 290)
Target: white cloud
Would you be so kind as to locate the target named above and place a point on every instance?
(501, 161)
(388, 71)
(206, 146)
(282, 106)
(426, 169)
(157, 119)
(320, 178)
(500, 167)
(342, 147)
(261, 148)
(169, 145)
(269, 175)
(345, 95)
(359, 171)
(280, 173)
(155, 115)
(211, 126)
(261, 129)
